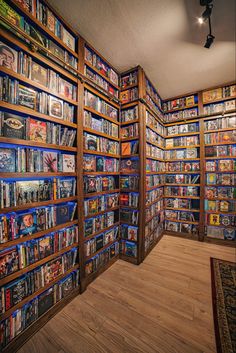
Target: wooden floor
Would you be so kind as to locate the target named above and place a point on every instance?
(161, 306)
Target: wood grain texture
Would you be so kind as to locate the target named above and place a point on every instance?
(161, 306)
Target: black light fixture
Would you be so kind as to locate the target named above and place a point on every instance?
(209, 41)
(207, 16)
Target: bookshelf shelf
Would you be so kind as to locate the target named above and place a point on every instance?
(129, 122)
(101, 173)
(100, 231)
(37, 204)
(220, 143)
(151, 218)
(219, 130)
(36, 144)
(128, 87)
(39, 174)
(37, 235)
(178, 147)
(181, 221)
(182, 197)
(182, 209)
(220, 212)
(101, 134)
(19, 273)
(100, 250)
(92, 194)
(100, 95)
(223, 157)
(101, 115)
(185, 134)
(178, 109)
(37, 85)
(181, 184)
(31, 112)
(153, 202)
(100, 73)
(129, 138)
(101, 153)
(91, 215)
(220, 100)
(149, 188)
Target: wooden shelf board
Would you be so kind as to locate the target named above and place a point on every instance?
(101, 95)
(129, 138)
(87, 63)
(92, 194)
(37, 204)
(178, 109)
(36, 235)
(37, 85)
(31, 267)
(35, 174)
(36, 144)
(219, 100)
(219, 130)
(185, 134)
(177, 147)
(100, 250)
(128, 87)
(96, 132)
(101, 153)
(91, 215)
(91, 110)
(100, 231)
(182, 197)
(153, 202)
(130, 122)
(30, 112)
(182, 209)
(101, 173)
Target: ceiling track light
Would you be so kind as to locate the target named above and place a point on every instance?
(209, 41)
(207, 16)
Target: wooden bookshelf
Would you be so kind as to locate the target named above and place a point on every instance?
(38, 55)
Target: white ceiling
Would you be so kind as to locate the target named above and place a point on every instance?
(162, 36)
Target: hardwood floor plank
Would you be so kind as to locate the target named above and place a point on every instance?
(162, 306)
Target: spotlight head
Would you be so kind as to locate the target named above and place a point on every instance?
(209, 41)
(207, 13)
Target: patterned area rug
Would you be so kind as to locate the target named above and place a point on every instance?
(223, 277)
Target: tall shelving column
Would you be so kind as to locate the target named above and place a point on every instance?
(130, 166)
(183, 180)
(100, 166)
(154, 179)
(219, 150)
